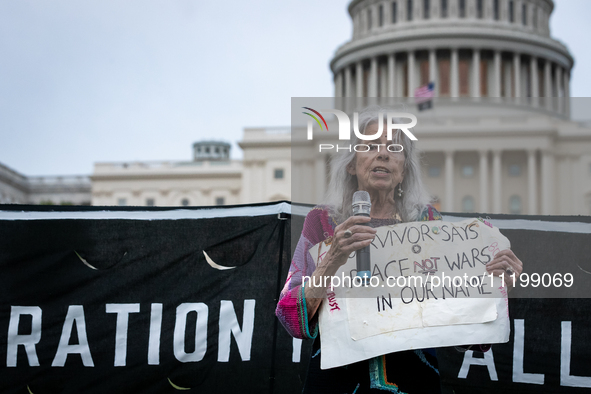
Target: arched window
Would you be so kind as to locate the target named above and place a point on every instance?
(515, 205)
(468, 204)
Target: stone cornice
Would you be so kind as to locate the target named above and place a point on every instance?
(450, 36)
(165, 176)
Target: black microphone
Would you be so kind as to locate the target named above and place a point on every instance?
(362, 207)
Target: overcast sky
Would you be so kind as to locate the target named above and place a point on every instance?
(111, 80)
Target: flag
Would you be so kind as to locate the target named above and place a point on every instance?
(424, 96)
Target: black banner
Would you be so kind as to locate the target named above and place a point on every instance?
(125, 300)
(123, 305)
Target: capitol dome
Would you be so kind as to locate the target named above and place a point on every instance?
(467, 48)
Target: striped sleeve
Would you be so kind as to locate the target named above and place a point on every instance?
(291, 308)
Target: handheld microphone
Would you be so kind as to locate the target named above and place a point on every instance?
(362, 207)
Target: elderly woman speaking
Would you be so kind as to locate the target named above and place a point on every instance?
(392, 177)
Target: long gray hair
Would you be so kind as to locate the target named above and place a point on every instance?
(342, 185)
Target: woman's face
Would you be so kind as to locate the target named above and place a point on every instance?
(378, 170)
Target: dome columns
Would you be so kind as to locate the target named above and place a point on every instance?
(458, 72)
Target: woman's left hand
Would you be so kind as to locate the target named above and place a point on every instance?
(505, 262)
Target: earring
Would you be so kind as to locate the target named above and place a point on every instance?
(400, 191)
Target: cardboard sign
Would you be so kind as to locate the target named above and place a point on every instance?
(429, 288)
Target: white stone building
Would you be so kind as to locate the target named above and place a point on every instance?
(16, 188)
(211, 178)
(500, 138)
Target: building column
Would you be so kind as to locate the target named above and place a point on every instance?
(411, 74)
(433, 69)
(497, 74)
(517, 75)
(374, 17)
(567, 93)
(548, 84)
(383, 80)
(534, 80)
(476, 73)
(296, 186)
(558, 81)
(497, 195)
(338, 84)
(578, 205)
(532, 187)
(320, 174)
(548, 163)
(372, 90)
(449, 181)
(483, 181)
(348, 82)
(247, 182)
(359, 79)
(455, 73)
(391, 69)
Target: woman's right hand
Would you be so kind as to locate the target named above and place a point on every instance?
(340, 249)
(343, 245)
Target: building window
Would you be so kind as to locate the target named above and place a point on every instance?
(150, 202)
(444, 74)
(468, 204)
(444, 8)
(381, 15)
(511, 11)
(524, 14)
(220, 201)
(515, 205)
(278, 174)
(483, 78)
(122, 202)
(369, 17)
(426, 9)
(464, 68)
(409, 10)
(434, 171)
(185, 202)
(479, 9)
(207, 149)
(535, 21)
(394, 12)
(462, 8)
(514, 170)
(468, 171)
(496, 9)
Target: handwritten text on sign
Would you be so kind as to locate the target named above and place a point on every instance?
(429, 288)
